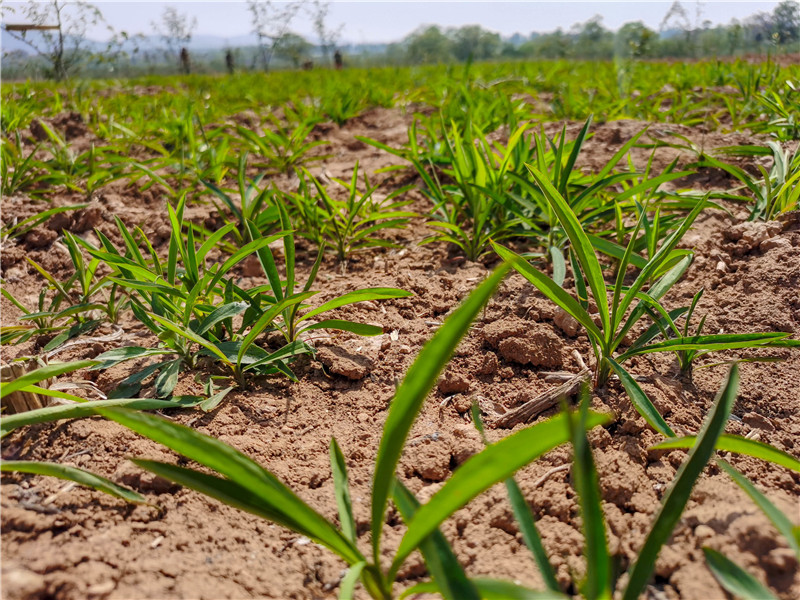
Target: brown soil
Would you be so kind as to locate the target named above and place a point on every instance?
(71, 543)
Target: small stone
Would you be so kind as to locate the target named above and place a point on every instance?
(566, 322)
(341, 362)
(452, 383)
(461, 403)
(703, 532)
(102, 589)
(750, 235)
(757, 421)
(778, 242)
(489, 365)
(722, 267)
(782, 560)
(40, 238)
(540, 348)
(362, 417)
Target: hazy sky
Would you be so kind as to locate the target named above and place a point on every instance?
(384, 21)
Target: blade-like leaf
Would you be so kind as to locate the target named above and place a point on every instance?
(42, 373)
(584, 477)
(679, 491)
(734, 579)
(437, 552)
(580, 244)
(79, 476)
(490, 589)
(357, 296)
(341, 325)
(481, 471)
(76, 411)
(242, 471)
(408, 400)
(550, 289)
(342, 489)
(640, 400)
(738, 445)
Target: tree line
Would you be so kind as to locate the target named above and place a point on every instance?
(62, 48)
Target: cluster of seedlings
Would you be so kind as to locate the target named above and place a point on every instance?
(604, 245)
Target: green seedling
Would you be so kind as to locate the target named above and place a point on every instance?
(283, 147)
(629, 303)
(237, 480)
(349, 225)
(255, 204)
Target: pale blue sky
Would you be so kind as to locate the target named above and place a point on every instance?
(383, 21)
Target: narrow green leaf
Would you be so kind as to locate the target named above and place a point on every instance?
(679, 491)
(550, 289)
(226, 311)
(584, 477)
(640, 400)
(342, 489)
(778, 519)
(212, 402)
(74, 474)
(734, 579)
(738, 445)
(580, 245)
(481, 471)
(530, 534)
(75, 411)
(242, 472)
(408, 400)
(42, 373)
(439, 557)
(559, 265)
(347, 587)
(341, 325)
(168, 378)
(357, 296)
(489, 589)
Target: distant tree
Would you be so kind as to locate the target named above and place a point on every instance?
(786, 22)
(294, 48)
(175, 30)
(550, 45)
(271, 21)
(474, 43)
(734, 34)
(592, 40)
(328, 37)
(65, 47)
(428, 45)
(635, 39)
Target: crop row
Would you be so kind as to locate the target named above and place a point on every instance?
(602, 245)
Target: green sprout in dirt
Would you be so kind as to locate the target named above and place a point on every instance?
(601, 582)
(188, 303)
(239, 481)
(254, 205)
(297, 318)
(283, 147)
(629, 302)
(778, 190)
(351, 224)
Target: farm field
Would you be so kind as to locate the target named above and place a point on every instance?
(266, 263)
